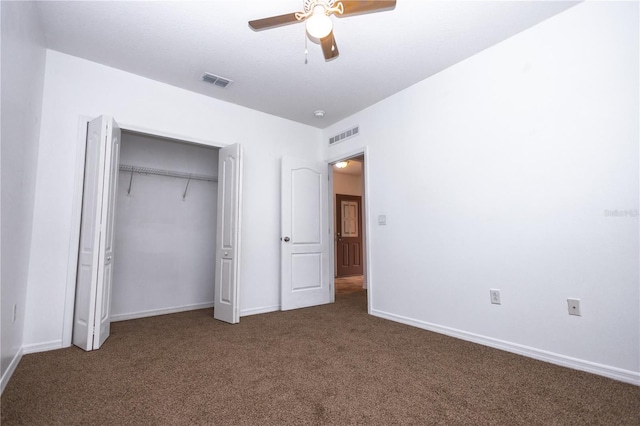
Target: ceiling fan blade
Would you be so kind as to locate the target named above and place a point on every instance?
(360, 7)
(273, 21)
(329, 47)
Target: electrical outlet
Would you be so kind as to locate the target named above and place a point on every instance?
(495, 296)
(15, 312)
(574, 307)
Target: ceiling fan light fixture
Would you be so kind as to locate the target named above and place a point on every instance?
(319, 25)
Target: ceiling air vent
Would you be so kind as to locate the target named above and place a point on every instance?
(216, 80)
(347, 134)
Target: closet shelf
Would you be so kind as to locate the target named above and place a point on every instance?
(170, 173)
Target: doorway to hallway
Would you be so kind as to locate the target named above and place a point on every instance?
(348, 219)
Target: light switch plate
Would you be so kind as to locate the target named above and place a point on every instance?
(382, 219)
(574, 307)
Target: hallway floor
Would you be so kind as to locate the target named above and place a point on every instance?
(348, 285)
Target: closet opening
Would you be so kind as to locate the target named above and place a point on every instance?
(165, 227)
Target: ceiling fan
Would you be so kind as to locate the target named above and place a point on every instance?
(317, 14)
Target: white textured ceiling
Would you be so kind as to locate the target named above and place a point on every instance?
(380, 53)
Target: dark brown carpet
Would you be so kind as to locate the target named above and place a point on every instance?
(331, 364)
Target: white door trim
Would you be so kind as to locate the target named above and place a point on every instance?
(366, 237)
(76, 209)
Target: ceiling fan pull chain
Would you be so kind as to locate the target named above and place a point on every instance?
(306, 50)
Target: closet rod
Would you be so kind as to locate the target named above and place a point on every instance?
(160, 172)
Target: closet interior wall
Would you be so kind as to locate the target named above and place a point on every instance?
(165, 229)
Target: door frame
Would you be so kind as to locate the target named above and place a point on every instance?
(76, 208)
(366, 219)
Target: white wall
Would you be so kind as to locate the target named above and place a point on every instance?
(497, 173)
(347, 184)
(23, 64)
(164, 244)
(75, 87)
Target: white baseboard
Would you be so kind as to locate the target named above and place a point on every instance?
(163, 311)
(10, 370)
(615, 373)
(42, 347)
(256, 311)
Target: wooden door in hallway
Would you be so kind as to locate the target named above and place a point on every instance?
(348, 235)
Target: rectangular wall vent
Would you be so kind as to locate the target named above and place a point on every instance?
(347, 134)
(216, 80)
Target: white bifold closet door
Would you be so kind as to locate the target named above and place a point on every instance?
(92, 315)
(226, 303)
(305, 234)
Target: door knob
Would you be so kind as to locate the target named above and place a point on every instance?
(287, 239)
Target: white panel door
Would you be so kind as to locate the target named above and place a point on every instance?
(226, 301)
(92, 315)
(305, 239)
